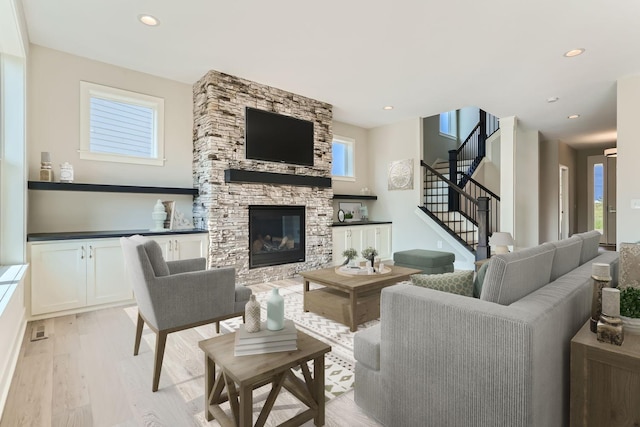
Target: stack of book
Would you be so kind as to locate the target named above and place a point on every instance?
(266, 341)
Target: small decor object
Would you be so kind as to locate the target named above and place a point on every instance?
(275, 311)
(365, 191)
(341, 216)
(610, 325)
(401, 175)
(364, 213)
(158, 215)
(630, 310)
(66, 172)
(252, 315)
(266, 341)
(169, 208)
(350, 255)
(600, 274)
(351, 211)
(46, 173)
(370, 254)
(180, 221)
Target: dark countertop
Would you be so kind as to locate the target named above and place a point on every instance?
(71, 235)
(352, 223)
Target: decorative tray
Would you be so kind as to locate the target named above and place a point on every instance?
(346, 270)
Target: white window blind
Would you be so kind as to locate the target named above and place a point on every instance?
(121, 126)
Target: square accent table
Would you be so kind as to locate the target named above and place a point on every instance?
(350, 299)
(238, 376)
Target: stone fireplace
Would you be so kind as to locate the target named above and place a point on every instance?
(231, 187)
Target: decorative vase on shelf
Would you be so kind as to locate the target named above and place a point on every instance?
(252, 315)
(275, 311)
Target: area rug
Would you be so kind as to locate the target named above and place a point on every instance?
(339, 363)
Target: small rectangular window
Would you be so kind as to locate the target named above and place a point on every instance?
(120, 126)
(343, 153)
(448, 124)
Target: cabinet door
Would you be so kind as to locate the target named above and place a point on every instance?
(341, 242)
(187, 246)
(369, 237)
(383, 241)
(58, 276)
(106, 278)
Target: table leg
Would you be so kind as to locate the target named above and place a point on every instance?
(246, 406)
(304, 295)
(318, 386)
(209, 379)
(354, 313)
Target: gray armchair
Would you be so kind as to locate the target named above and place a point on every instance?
(177, 295)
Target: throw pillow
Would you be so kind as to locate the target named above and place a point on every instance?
(479, 280)
(458, 282)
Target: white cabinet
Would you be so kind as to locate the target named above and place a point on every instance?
(77, 273)
(183, 246)
(360, 237)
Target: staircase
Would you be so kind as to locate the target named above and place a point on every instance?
(466, 209)
(436, 204)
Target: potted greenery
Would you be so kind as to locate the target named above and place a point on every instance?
(630, 309)
(350, 254)
(369, 254)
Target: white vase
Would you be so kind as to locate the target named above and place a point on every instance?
(275, 311)
(252, 315)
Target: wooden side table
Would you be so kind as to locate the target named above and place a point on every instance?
(240, 375)
(605, 381)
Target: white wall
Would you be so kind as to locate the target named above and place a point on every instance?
(468, 118)
(549, 191)
(53, 125)
(400, 141)
(628, 107)
(527, 188)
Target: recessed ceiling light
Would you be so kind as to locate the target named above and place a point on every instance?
(574, 52)
(552, 99)
(149, 20)
(388, 107)
(573, 116)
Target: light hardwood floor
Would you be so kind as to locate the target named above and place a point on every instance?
(85, 374)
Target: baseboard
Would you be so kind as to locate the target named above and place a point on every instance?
(11, 362)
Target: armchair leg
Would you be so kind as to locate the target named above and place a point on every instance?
(161, 340)
(139, 327)
(217, 327)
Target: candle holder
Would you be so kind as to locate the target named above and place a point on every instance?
(609, 328)
(601, 276)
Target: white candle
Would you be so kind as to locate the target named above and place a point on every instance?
(601, 271)
(611, 302)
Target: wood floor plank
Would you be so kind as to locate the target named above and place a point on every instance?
(85, 375)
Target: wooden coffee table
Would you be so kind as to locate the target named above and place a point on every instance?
(349, 299)
(250, 372)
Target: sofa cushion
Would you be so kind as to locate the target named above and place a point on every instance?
(590, 244)
(516, 274)
(154, 253)
(458, 282)
(567, 256)
(479, 279)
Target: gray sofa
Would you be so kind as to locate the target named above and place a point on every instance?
(439, 359)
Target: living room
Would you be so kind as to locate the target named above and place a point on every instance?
(50, 78)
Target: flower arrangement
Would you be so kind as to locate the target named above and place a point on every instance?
(350, 254)
(369, 253)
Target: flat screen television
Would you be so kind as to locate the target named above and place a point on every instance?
(276, 138)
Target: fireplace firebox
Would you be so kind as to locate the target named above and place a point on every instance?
(276, 235)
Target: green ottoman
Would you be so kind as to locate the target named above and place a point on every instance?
(430, 262)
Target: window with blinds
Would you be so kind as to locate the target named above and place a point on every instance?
(121, 126)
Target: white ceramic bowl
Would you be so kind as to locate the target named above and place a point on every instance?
(630, 325)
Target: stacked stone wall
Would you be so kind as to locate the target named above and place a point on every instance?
(218, 144)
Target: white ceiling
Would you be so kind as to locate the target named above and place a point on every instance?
(421, 56)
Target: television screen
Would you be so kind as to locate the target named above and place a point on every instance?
(277, 138)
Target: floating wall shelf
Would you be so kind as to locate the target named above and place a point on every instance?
(353, 197)
(103, 188)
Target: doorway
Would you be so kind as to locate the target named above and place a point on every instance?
(563, 204)
(601, 196)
